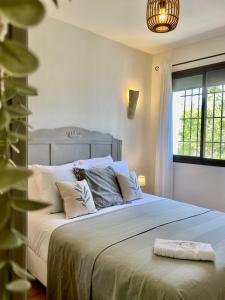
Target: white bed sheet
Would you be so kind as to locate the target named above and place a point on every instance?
(41, 226)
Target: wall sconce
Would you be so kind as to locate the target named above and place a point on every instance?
(142, 180)
(133, 99)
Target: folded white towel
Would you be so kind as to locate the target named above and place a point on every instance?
(184, 250)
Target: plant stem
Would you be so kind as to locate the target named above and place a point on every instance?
(6, 152)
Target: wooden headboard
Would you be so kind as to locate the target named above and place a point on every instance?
(63, 145)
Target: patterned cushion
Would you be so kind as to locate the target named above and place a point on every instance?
(103, 185)
(77, 197)
(129, 186)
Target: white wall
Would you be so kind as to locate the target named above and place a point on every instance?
(201, 185)
(83, 81)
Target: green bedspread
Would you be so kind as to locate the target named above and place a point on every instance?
(110, 257)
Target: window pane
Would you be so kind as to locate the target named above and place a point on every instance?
(218, 104)
(224, 104)
(209, 129)
(211, 89)
(187, 130)
(194, 130)
(188, 92)
(187, 148)
(187, 113)
(217, 130)
(196, 103)
(187, 83)
(214, 132)
(193, 149)
(223, 151)
(208, 150)
(181, 131)
(218, 88)
(215, 79)
(210, 104)
(216, 151)
(180, 148)
(198, 149)
(223, 130)
(188, 104)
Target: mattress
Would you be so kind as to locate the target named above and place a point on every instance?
(42, 225)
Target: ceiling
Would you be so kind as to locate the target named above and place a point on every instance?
(125, 21)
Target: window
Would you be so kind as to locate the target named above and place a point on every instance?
(199, 115)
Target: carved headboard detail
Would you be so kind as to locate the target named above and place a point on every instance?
(66, 144)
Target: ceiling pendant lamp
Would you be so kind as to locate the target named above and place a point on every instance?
(162, 15)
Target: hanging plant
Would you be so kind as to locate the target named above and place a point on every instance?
(16, 61)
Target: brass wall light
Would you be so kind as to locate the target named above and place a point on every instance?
(133, 99)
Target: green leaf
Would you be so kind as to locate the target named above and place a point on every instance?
(18, 136)
(4, 118)
(3, 162)
(20, 272)
(16, 60)
(3, 263)
(22, 13)
(21, 89)
(12, 140)
(22, 122)
(18, 111)
(4, 213)
(10, 92)
(9, 177)
(14, 148)
(18, 285)
(20, 186)
(9, 240)
(27, 205)
(11, 162)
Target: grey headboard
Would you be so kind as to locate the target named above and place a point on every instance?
(63, 145)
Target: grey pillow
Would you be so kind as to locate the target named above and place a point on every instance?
(103, 185)
(129, 186)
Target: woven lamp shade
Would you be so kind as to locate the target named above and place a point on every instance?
(162, 15)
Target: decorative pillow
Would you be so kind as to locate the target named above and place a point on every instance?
(33, 192)
(99, 162)
(120, 167)
(46, 178)
(77, 197)
(103, 185)
(129, 186)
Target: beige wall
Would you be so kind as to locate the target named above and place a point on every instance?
(201, 185)
(83, 81)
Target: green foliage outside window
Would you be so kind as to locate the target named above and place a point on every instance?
(189, 136)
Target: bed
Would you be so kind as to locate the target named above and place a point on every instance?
(108, 255)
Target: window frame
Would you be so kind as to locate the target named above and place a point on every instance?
(194, 159)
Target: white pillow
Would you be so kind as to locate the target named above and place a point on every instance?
(99, 162)
(78, 200)
(45, 179)
(33, 192)
(120, 167)
(129, 186)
